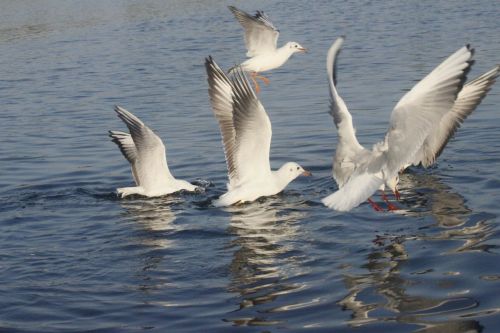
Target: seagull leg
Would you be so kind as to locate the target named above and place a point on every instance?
(263, 78)
(375, 206)
(390, 206)
(253, 75)
(397, 195)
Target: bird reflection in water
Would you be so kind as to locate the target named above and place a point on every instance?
(381, 295)
(264, 258)
(153, 219)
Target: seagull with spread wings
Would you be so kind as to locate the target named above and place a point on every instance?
(261, 38)
(145, 152)
(246, 136)
(421, 124)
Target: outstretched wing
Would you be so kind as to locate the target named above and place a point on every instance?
(467, 100)
(261, 36)
(253, 130)
(221, 98)
(149, 162)
(338, 110)
(421, 109)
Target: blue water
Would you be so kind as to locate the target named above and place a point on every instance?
(74, 258)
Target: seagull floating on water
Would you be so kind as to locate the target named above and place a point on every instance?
(261, 38)
(421, 124)
(146, 154)
(246, 135)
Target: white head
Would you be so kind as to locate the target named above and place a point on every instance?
(295, 47)
(291, 170)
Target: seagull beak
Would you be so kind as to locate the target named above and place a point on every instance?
(307, 173)
(303, 49)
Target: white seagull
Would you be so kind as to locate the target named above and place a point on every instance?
(146, 154)
(420, 127)
(261, 38)
(246, 136)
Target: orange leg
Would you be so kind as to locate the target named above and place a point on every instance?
(263, 78)
(397, 195)
(390, 206)
(375, 206)
(253, 75)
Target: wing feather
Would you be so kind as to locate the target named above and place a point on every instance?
(416, 114)
(125, 143)
(261, 35)
(221, 99)
(253, 130)
(467, 100)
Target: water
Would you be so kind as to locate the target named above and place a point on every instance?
(74, 258)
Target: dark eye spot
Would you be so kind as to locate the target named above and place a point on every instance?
(298, 168)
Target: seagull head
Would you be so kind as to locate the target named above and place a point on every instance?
(292, 170)
(296, 47)
(393, 185)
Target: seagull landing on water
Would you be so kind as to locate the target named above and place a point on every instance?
(421, 125)
(261, 38)
(146, 154)
(246, 135)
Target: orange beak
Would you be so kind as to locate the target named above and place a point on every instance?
(307, 173)
(303, 49)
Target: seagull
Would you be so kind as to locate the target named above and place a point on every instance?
(146, 154)
(415, 120)
(261, 38)
(246, 136)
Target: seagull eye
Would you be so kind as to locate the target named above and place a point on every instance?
(298, 168)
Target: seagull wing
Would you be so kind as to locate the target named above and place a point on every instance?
(253, 131)
(418, 112)
(467, 100)
(126, 144)
(261, 36)
(244, 124)
(221, 99)
(149, 162)
(338, 110)
(127, 147)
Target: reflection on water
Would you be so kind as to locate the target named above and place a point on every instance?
(264, 257)
(381, 294)
(154, 214)
(426, 194)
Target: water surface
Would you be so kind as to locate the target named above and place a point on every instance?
(74, 258)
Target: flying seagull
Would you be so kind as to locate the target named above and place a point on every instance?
(146, 154)
(420, 126)
(261, 37)
(246, 135)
